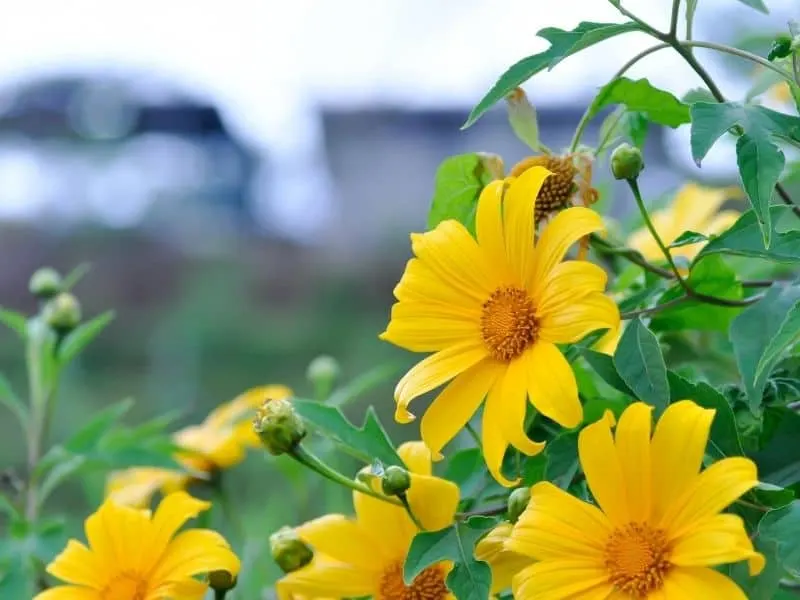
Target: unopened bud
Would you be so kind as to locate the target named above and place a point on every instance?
(626, 162)
(279, 426)
(63, 313)
(518, 502)
(221, 581)
(323, 371)
(45, 283)
(288, 551)
(395, 481)
(781, 47)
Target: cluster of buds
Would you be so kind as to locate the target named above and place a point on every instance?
(61, 310)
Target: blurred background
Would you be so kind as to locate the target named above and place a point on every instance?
(242, 177)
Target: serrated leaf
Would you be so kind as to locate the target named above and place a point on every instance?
(761, 333)
(562, 44)
(81, 336)
(366, 443)
(758, 156)
(744, 239)
(459, 181)
(640, 364)
(12, 402)
(778, 459)
(782, 527)
(15, 321)
(642, 97)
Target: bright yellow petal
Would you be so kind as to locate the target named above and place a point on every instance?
(113, 532)
(570, 323)
(432, 372)
(562, 579)
(633, 448)
(518, 206)
(699, 582)
(430, 327)
(493, 437)
(558, 526)
(194, 552)
(455, 258)
(489, 227)
(710, 492)
(719, 540)
(189, 589)
(433, 501)
(420, 283)
(510, 395)
(68, 592)
(135, 487)
(567, 282)
(325, 577)
(552, 388)
(504, 563)
(601, 464)
(566, 228)
(77, 564)
(454, 407)
(391, 522)
(679, 443)
(417, 457)
(173, 511)
(343, 540)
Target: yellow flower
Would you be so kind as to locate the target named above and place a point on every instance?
(364, 556)
(133, 555)
(492, 311)
(219, 442)
(658, 525)
(504, 562)
(693, 209)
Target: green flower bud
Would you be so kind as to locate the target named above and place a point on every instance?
(781, 48)
(279, 426)
(63, 312)
(395, 481)
(221, 581)
(626, 162)
(288, 551)
(45, 283)
(518, 502)
(323, 371)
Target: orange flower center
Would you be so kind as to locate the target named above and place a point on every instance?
(637, 558)
(125, 586)
(428, 585)
(508, 323)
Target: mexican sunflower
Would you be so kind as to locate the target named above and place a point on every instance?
(133, 555)
(657, 528)
(218, 443)
(364, 556)
(503, 562)
(492, 310)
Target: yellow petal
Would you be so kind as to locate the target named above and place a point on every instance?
(562, 579)
(493, 437)
(510, 398)
(695, 205)
(558, 526)
(710, 492)
(455, 258)
(519, 207)
(430, 327)
(489, 227)
(188, 589)
(552, 388)
(504, 563)
(324, 577)
(566, 228)
(244, 404)
(194, 552)
(433, 501)
(454, 407)
(719, 540)
(600, 462)
(174, 510)
(571, 323)
(343, 540)
(77, 564)
(390, 522)
(700, 582)
(643, 241)
(136, 486)
(432, 372)
(567, 282)
(420, 283)
(68, 592)
(679, 443)
(633, 448)
(113, 533)
(416, 456)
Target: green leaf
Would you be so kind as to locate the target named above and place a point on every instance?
(12, 402)
(761, 333)
(72, 278)
(81, 336)
(362, 384)
(773, 496)
(757, 4)
(366, 443)
(459, 181)
(466, 469)
(562, 44)
(687, 238)
(635, 125)
(744, 239)
(698, 95)
(562, 459)
(778, 459)
(16, 322)
(640, 96)
(88, 436)
(724, 437)
(640, 364)
(470, 578)
(603, 365)
(522, 118)
(760, 159)
(765, 585)
(782, 527)
(58, 475)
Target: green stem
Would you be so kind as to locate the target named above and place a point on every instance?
(484, 512)
(673, 21)
(220, 594)
(734, 52)
(39, 400)
(653, 309)
(404, 500)
(306, 458)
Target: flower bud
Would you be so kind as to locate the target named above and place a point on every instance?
(626, 162)
(63, 312)
(518, 502)
(395, 481)
(221, 581)
(781, 47)
(279, 426)
(323, 371)
(288, 551)
(45, 283)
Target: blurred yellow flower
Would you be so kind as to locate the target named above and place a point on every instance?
(492, 311)
(218, 443)
(364, 556)
(504, 562)
(133, 555)
(694, 208)
(657, 527)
